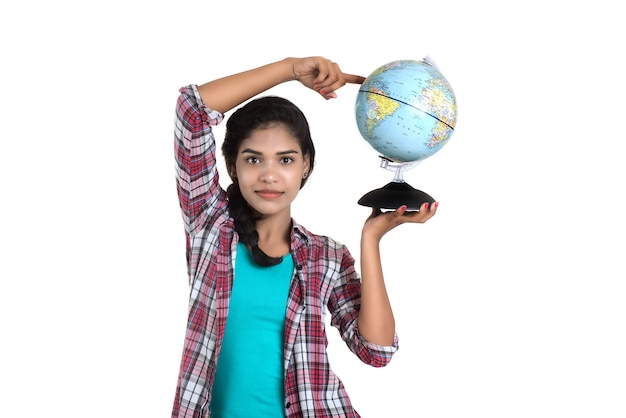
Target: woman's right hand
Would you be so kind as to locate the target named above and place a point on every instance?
(322, 75)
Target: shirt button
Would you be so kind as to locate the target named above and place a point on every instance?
(298, 267)
(288, 405)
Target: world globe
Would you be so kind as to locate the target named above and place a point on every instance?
(406, 110)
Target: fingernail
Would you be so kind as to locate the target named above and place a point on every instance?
(436, 205)
(322, 92)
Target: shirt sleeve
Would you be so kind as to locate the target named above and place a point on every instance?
(197, 180)
(344, 305)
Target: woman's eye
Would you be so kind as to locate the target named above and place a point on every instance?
(286, 160)
(252, 160)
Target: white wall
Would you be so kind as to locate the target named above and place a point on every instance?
(509, 303)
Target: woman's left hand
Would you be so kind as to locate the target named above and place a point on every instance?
(379, 223)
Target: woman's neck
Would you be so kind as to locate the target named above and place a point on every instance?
(274, 236)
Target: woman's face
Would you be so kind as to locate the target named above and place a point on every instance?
(270, 167)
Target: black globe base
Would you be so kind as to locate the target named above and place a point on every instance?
(395, 194)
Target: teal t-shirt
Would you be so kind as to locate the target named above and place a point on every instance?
(249, 380)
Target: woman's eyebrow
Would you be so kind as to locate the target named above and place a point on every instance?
(251, 151)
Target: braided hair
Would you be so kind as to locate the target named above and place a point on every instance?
(257, 114)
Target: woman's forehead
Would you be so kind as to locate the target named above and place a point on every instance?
(270, 140)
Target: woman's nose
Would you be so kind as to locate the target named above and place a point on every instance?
(268, 173)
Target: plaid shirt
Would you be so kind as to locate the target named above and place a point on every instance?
(325, 277)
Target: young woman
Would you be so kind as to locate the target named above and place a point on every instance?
(260, 283)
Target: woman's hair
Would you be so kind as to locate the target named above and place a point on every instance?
(259, 114)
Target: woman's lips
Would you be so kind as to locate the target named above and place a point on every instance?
(269, 194)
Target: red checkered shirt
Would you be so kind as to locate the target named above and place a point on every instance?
(325, 278)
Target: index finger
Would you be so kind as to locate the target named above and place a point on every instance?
(354, 79)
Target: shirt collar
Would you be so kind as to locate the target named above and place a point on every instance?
(299, 234)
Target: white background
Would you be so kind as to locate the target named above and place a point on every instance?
(509, 303)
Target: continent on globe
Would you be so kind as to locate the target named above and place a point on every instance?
(406, 110)
(379, 107)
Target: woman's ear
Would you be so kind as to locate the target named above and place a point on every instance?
(307, 166)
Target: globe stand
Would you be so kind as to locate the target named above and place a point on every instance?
(397, 192)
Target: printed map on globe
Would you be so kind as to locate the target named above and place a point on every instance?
(406, 110)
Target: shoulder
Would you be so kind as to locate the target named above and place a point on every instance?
(322, 246)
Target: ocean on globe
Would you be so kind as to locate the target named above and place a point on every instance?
(406, 110)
